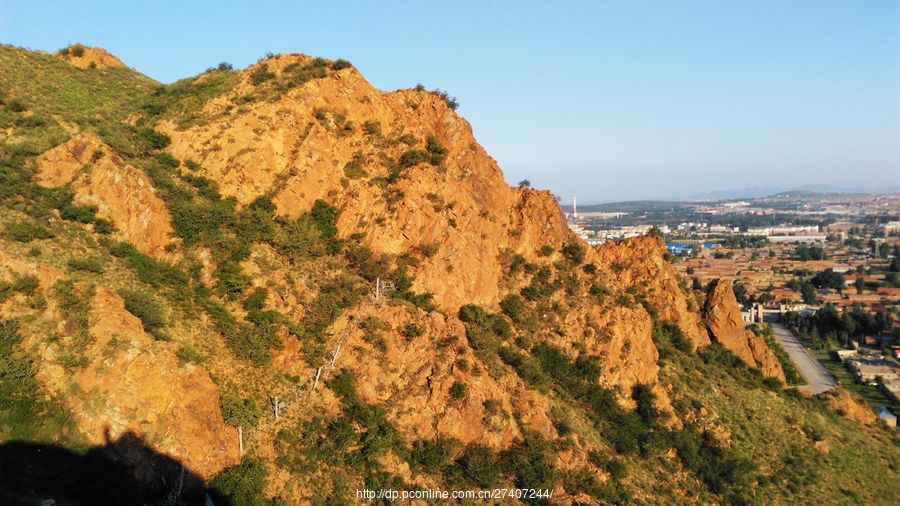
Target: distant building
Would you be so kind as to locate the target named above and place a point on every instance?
(871, 369)
(797, 238)
(885, 415)
(891, 228)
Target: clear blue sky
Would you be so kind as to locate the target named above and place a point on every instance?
(609, 100)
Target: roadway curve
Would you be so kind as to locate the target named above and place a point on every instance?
(817, 378)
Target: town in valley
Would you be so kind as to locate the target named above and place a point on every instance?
(824, 268)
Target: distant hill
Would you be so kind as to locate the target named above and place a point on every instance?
(759, 192)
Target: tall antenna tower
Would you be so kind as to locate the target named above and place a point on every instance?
(574, 208)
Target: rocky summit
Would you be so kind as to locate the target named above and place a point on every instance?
(283, 285)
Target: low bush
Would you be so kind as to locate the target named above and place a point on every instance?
(340, 64)
(146, 307)
(239, 412)
(189, 354)
(458, 391)
(573, 252)
(23, 284)
(478, 466)
(103, 226)
(241, 485)
(433, 457)
(24, 231)
(412, 331)
(149, 270)
(87, 264)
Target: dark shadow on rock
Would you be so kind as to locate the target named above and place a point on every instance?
(124, 471)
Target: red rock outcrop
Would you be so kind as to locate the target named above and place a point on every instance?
(85, 57)
(640, 262)
(122, 194)
(726, 325)
(849, 405)
(411, 373)
(132, 384)
(295, 149)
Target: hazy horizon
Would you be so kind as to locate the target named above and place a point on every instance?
(606, 101)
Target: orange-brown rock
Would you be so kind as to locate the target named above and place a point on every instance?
(412, 375)
(85, 57)
(122, 194)
(849, 405)
(641, 262)
(10, 265)
(726, 325)
(131, 383)
(295, 150)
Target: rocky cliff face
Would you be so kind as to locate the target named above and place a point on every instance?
(336, 138)
(121, 193)
(125, 382)
(723, 316)
(642, 263)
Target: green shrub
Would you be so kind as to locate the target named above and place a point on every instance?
(324, 216)
(525, 366)
(354, 169)
(541, 285)
(16, 105)
(297, 74)
(471, 313)
(529, 463)
(261, 74)
(242, 485)
(231, 281)
(149, 270)
(151, 140)
(412, 331)
(87, 264)
(103, 226)
(189, 354)
(434, 456)
(369, 265)
(340, 64)
(23, 284)
(478, 466)
(166, 160)
(573, 252)
(256, 301)
(239, 412)
(372, 127)
(146, 307)
(458, 391)
(667, 335)
(24, 231)
(26, 414)
(645, 398)
(513, 306)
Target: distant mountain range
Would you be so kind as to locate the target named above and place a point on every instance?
(766, 191)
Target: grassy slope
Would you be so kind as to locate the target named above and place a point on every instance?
(777, 432)
(68, 97)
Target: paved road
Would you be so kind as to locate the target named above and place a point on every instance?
(817, 378)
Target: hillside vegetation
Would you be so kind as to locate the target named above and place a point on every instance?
(179, 262)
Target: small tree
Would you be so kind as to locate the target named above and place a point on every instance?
(524, 184)
(458, 390)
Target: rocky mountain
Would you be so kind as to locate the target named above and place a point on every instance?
(283, 284)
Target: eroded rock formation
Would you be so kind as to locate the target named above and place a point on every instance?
(726, 325)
